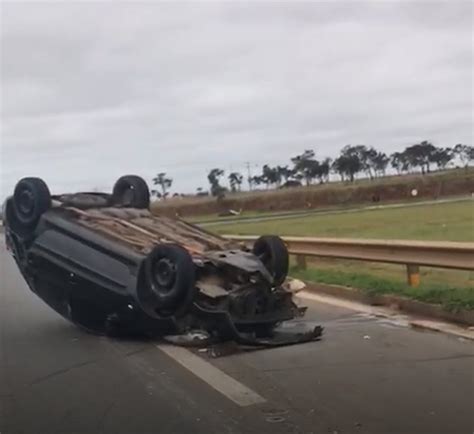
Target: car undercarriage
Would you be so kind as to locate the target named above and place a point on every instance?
(106, 263)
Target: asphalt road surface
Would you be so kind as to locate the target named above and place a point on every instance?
(368, 375)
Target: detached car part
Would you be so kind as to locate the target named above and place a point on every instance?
(106, 263)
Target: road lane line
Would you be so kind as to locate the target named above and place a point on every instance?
(396, 317)
(214, 377)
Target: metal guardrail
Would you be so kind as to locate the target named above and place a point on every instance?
(413, 254)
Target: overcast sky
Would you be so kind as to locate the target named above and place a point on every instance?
(91, 91)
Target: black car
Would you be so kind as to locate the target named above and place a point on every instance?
(109, 265)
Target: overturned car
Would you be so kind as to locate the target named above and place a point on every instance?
(107, 264)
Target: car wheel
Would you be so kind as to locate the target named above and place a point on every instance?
(271, 250)
(131, 191)
(31, 199)
(170, 276)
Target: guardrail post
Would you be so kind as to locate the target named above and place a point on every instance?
(301, 262)
(413, 275)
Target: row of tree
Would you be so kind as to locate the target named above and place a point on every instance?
(352, 160)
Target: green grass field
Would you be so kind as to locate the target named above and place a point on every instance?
(444, 221)
(451, 289)
(244, 215)
(451, 298)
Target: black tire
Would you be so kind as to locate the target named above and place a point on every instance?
(169, 273)
(271, 250)
(31, 199)
(131, 191)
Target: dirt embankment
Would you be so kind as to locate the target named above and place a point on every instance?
(433, 186)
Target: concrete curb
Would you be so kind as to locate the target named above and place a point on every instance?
(462, 317)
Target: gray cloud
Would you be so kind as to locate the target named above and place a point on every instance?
(91, 91)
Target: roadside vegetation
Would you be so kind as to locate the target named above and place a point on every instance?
(363, 192)
(352, 162)
(453, 221)
(451, 289)
(366, 177)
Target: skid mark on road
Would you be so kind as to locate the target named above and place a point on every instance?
(214, 377)
(60, 372)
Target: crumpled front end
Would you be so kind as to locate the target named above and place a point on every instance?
(237, 300)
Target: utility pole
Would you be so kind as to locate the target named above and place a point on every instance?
(249, 175)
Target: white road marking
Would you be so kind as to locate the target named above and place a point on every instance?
(339, 302)
(389, 315)
(214, 377)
